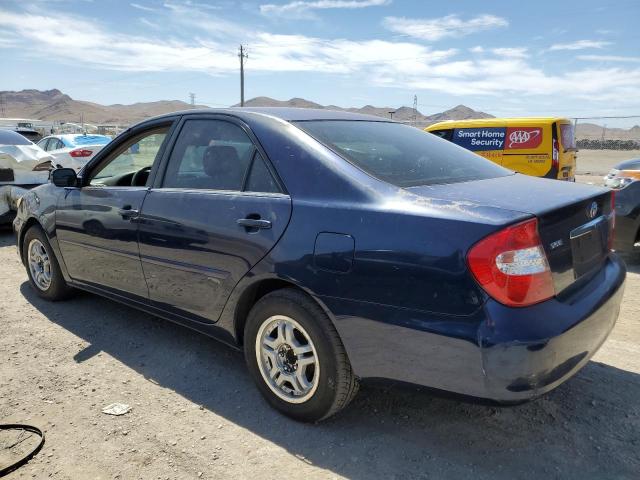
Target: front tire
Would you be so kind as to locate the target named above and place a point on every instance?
(296, 357)
(42, 266)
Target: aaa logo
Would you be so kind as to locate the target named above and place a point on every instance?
(520, 138)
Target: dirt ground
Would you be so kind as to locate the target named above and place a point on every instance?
(196, 413)
(599, 162)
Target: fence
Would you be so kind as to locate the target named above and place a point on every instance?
(608, 133)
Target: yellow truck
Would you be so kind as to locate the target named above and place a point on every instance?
(541, 147)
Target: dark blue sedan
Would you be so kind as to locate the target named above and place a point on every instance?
(332, 247)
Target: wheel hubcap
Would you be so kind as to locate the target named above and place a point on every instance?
(287, 359)
(39, 264)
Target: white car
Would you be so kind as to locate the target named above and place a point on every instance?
(22, 165)
(73, 151)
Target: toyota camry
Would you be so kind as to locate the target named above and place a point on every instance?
(333, 247)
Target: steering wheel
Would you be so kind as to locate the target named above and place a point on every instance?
(138, 176)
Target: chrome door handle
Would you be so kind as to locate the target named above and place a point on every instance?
(127, 213)
(253, 223)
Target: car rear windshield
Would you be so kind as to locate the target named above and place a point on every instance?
(399, 154)
(8, 137)
(89, 140)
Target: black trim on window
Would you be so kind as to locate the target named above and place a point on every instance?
(159, 179)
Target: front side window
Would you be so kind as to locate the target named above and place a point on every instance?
(399, 154)
(136, 155)
(211, 155)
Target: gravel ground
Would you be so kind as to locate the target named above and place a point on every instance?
(196, 413)
(599, 162)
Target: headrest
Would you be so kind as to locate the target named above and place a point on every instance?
(219, 159)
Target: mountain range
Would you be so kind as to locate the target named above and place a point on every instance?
(53, 105)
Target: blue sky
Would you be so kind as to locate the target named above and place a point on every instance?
(574, 58)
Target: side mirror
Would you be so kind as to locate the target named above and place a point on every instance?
(64, 177)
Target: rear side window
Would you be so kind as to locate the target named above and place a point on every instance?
(209, 154)
(567, 136)
(260, 179)
(399, 154)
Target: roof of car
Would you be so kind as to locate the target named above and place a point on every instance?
(497, 122)
(631, 164)
(10, 137)
(283, 113)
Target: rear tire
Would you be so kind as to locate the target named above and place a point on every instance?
(296, 357)
(42, 266)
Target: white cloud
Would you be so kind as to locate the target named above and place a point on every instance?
(302, 8)
(437, 28)
(518, 52)
(144, 8)
(505, 73)
(608, 58)
(580, 45)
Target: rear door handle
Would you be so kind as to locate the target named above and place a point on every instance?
(253, 223)
(127, 212)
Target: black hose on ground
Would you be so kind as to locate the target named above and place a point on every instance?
(29, 428)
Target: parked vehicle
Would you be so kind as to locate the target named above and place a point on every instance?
(540, 147)
(73, 151)
(333, 246)
(624, 178)
(623, 174)
(22, 165)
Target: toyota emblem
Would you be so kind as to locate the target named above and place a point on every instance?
(592, 211)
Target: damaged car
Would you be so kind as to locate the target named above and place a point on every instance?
(23, 165)
(332, 247)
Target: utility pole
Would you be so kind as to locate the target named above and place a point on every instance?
(192, 98)
(415, 110)
(391, 114)
(1, 106)
(242, 55)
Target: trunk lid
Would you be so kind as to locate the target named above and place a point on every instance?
(574, 219)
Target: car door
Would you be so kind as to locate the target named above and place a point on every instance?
(217, 211)
(97, 224)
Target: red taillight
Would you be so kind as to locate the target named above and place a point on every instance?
(612, 220)
(555, 154)
(80, 153)
(511, 266)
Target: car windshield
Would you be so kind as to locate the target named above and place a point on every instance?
(399, 154)
(7, 137)
(88, 140)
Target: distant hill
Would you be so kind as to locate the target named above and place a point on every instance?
(402, 114)
(592, 131)
(54, 105)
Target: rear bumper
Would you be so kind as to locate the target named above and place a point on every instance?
(501, 353)
(559, 339)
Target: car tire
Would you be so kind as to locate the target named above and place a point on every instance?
(42, 266)
(296, 357)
